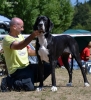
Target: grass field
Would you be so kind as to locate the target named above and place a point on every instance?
(76, 92)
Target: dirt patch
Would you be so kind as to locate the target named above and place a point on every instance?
(76, 92)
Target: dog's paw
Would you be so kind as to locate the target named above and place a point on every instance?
(39, 89)
(69, 84)
(53, 88)
(86, 84)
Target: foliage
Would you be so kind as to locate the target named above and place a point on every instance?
(66, 14)
(59, 11)
(5, 8)
(82, 16)
(78, 26)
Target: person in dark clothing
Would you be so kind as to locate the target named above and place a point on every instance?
(29, 75)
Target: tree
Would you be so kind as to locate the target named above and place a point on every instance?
(5, 8)
(59, 11)
(66, 14)
(82, 16)
(27, 11)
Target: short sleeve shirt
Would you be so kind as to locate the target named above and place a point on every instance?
(85, 53)
(15, 59)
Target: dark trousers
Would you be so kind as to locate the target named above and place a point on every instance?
(31, 73)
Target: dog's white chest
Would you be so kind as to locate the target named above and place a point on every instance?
(43, 51)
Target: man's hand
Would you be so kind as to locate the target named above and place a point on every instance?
(20, 45)
(36, 33)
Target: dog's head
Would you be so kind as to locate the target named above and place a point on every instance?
(43, 23)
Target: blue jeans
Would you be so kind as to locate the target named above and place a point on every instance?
(29, 74)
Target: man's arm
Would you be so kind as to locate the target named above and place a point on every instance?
(20, 45)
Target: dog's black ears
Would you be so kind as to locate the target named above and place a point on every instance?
(51, 25)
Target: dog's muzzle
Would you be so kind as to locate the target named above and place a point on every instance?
(41, 27)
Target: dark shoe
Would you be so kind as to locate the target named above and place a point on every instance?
(4, 87)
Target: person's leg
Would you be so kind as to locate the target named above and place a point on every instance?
(24, 77)
(4, 87)
(31, 72)
(85, 66)
(7, 84)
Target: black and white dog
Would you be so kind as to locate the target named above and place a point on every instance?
(49, 48)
